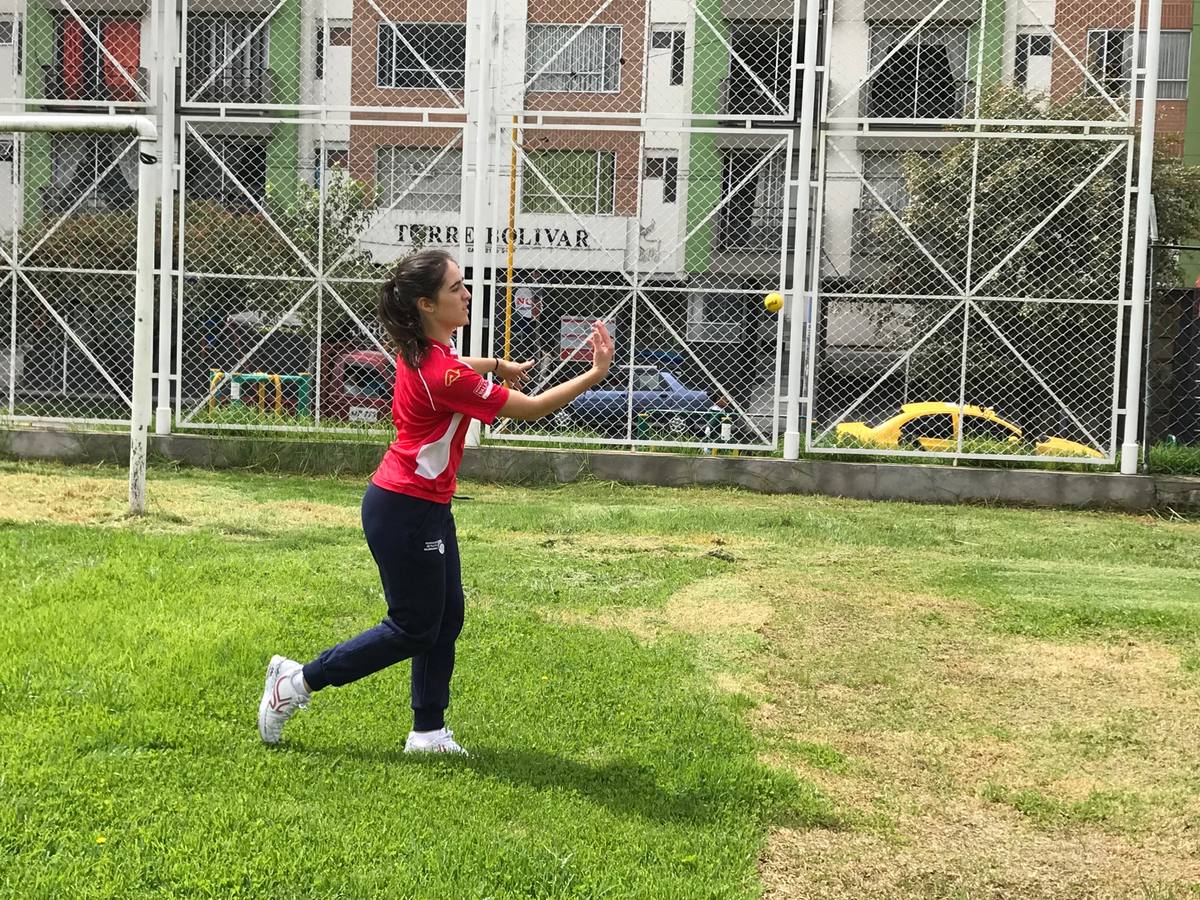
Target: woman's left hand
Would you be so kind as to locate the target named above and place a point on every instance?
(514, 374)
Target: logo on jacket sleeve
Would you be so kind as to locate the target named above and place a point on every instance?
(452, 375)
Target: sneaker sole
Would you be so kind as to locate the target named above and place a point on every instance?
(264, 703)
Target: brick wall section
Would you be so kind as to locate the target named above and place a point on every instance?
(366, 139)
(631, 16)
(364, 38)
(1073, 20)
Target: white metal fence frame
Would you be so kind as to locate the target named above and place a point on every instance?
(837, 124)
(814, 112)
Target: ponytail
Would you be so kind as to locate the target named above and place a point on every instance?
(417, 276)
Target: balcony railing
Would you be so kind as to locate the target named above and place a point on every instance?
(57, 199)
(94, 87)
(255, 87)
(920, 99)
(739, 233)
(740, 95)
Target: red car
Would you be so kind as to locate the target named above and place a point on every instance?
(357, 387)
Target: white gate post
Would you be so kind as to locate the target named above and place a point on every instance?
(143, 329)
(166, 158)
(483, 128)
(1141, 238)
(799, 305)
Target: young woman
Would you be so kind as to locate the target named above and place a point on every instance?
(406, 510)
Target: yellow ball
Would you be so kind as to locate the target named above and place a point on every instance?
(773, 302)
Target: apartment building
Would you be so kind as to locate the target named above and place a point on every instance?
(587, 199)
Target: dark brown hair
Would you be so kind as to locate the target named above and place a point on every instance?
(417, 276)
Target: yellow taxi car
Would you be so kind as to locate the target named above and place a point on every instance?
(935, 427)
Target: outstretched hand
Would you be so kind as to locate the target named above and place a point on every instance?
(602, 348)
(514, 374)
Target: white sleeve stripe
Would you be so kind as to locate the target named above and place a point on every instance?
(428, 393)
(487, 392)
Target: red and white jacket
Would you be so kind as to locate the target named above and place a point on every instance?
(432, 408)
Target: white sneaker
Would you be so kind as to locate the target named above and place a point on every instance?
(440, 741)
(280, 699)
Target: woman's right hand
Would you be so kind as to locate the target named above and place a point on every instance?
(602, 348)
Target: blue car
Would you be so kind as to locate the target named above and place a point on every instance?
(668, 404)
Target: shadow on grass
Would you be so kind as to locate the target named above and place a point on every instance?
(628, 788)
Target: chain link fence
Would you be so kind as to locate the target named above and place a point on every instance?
(975, 176)
(1172, 382)
(616, 159)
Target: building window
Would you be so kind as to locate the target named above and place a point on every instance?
(670, 39)
(421, 54)
(82, 71)
(752, 217)
(884, 172)
(761, 70)
(246, 180)
(220, 72)
(1031, 67)
(335, 164)
(664, 167)
(584, 179)
(1110, 53)
(713, 319)
(573, 58)
(923, 78)
(333, 36)
(418, 178)
(99, 168)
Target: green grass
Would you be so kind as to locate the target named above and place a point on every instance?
(1174, 459)
(667, 693)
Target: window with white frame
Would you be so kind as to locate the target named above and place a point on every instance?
(1110, 53)
(420, 54)
(90, 172)
(419, 178)
(752, 217)
(227, 58)
(332, 163)
(760, 67)
(665, 167)
(238, 181)
(670, 39)
(573, 58)
(885, 188)
(917, 76)
(584, 179)
(1031, 65)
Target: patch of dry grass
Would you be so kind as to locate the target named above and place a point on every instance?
(979, 764)
(173, 505)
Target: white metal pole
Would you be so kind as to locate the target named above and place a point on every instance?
(166, 158)
(143, 329)
(799, 305)
(1141, 239)
(483, 128)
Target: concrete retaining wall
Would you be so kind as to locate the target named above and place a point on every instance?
(865, 481)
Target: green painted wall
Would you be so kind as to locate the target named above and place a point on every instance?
(709, 67)
(993, 44)
(284, 49)
(283, 152)
(39, 51)
(283, 159)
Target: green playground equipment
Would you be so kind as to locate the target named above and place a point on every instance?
(261, 380)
